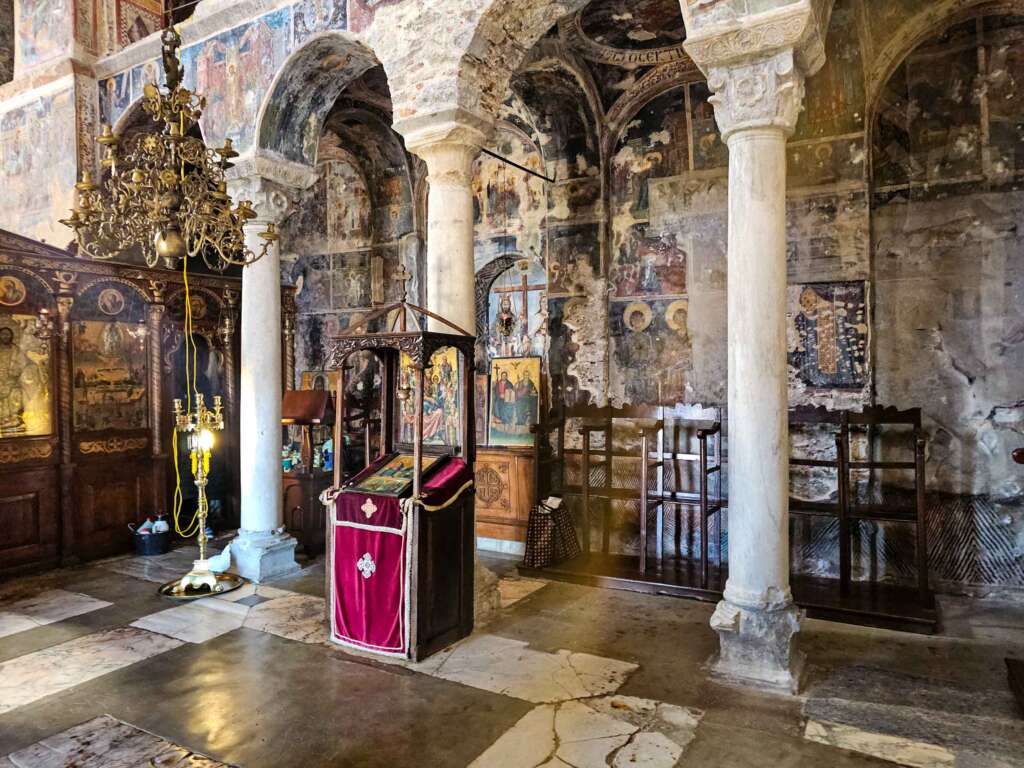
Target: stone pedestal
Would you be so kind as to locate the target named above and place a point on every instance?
(756, 67)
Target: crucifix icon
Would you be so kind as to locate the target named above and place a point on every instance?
(524, 288)
(403, 276)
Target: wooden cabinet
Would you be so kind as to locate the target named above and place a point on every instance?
(303, 512)
(29, 518)
(91, 355)
(505, 492)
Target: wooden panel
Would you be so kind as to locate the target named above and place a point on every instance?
(29, 519)
(110, 496)
(505, 491)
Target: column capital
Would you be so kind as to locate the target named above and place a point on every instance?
(448, 142)
(271, 183)
(756, 63)
(764, 94)
(718, 36)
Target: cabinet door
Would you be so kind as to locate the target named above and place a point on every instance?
(29, 519)
(109, 497)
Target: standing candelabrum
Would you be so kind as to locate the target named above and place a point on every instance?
(198, 426)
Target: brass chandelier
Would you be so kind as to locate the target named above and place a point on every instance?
(165, 193)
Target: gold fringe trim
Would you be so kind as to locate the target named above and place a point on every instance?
(452, 500)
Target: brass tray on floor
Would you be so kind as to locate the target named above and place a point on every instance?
(226, 582)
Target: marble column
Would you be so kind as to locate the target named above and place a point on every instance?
(449, 146)
(262, 550)
(756, 70)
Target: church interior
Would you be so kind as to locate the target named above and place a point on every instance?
(531, 383)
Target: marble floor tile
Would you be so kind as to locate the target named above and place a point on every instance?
(293, 617)
(920, 720)
(47, 607)
(249, 590)
(509, 667)
(105, 742)
(513, 589)
(156, 568)
(893, 748)
(195, 622)
(617, 731)
(60, 667)
(13, 623)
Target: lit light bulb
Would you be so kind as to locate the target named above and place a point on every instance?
(206, 440)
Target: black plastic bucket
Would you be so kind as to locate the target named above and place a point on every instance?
(152, 543)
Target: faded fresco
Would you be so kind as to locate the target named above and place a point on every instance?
(362, 12)
(650, 351)
(137, 19)
(44, 30)
(116, 95)
(828, 334)
(25, 395)
(233, 70)
(312, 16)
(655, 145)
(38, 151)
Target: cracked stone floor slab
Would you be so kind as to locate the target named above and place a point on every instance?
(511, 668)
(569, 677)
(617, 731)
(105, 742)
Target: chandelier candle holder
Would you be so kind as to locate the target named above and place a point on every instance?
(198, 427)
(164, 193)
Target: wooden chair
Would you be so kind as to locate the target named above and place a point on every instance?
(850, 505)
(837, 420)
(709, 462)
(653, 455)
(880, 424)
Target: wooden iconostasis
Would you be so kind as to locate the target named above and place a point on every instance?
(91, 356)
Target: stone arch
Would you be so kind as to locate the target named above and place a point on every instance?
(929, 217)
(291, 117)
(936, 15)
(503, 36)
(485, 278)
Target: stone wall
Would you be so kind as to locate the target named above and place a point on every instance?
(6, 41)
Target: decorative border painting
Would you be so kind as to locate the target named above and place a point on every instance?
(514, 401)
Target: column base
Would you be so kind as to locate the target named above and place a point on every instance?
(756, 647)
(264, 555)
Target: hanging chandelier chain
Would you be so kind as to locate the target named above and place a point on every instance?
(164, 194)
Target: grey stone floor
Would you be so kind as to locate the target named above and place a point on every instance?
(563, 676)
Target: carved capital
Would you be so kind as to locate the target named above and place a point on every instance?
(448, 142)
(271, 183)
(768, 93)
(718, 35)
